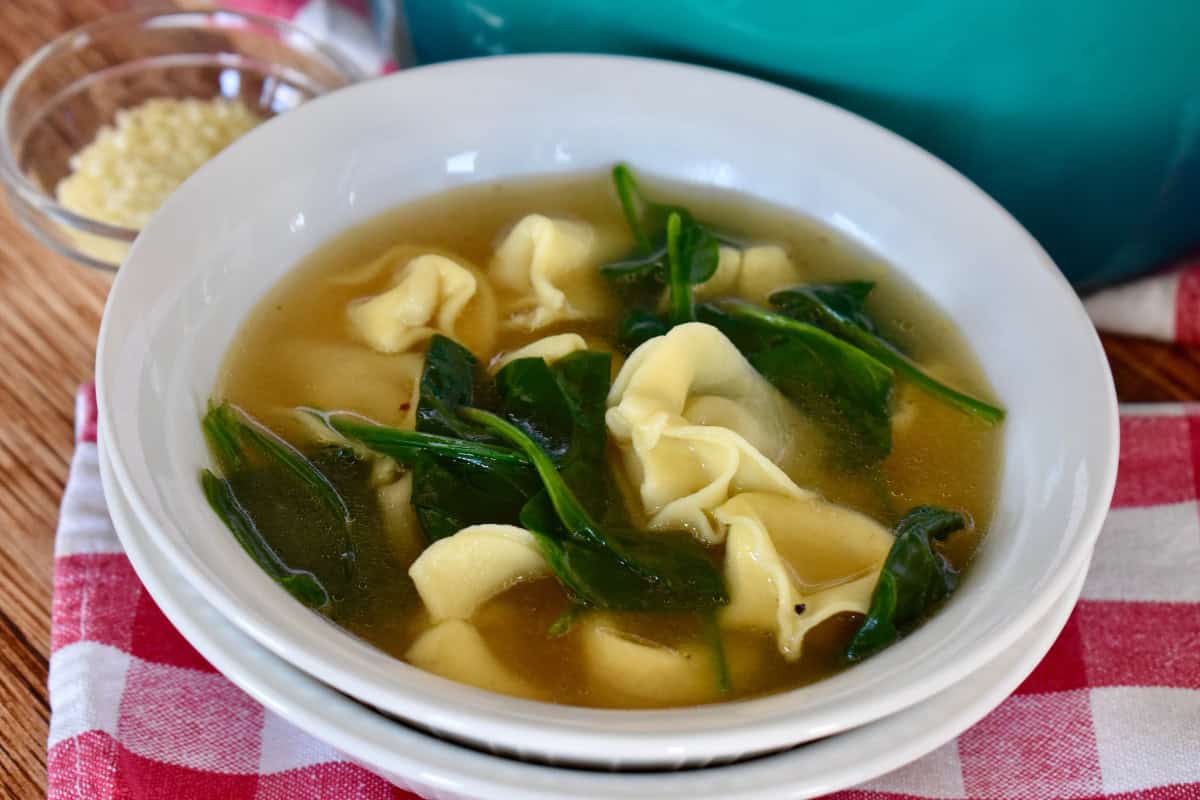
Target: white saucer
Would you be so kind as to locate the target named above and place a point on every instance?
(439, 769)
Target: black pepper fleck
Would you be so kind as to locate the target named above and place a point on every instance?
(800, 608)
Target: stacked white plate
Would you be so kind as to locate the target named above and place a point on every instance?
(235, 228)
(437, 768)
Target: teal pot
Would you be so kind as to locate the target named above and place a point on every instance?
(1082, 117)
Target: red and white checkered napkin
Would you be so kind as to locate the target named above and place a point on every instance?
(344, 24)
(1113, 711)
(1165, 305)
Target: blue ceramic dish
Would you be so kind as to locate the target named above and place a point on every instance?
(1081, 117)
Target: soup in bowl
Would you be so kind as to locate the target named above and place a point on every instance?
(732, 473)
(701, 454)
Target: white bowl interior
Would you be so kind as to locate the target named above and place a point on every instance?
(246, 218)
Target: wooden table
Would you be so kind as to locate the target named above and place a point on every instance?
(49, 314)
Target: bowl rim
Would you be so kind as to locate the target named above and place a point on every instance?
(574, 736)
(80, 37)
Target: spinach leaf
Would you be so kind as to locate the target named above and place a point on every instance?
(840, 308)
(585, 378)
(915, 577)
(608, 567)
(451, 378)
(229, 430)
(454, 490)
(408, 446)
(638, 327)
(561, 408)
(716, 646)
(839, 385)
(302, 585)
(636, 571)
(829, 305)
(692, 256)
(450, 494)
(566, 620)
(305, 518)
(639, 280)
(688, 256)
(532, 398)
(673, 250)
(645, 219)
(459, 481)
(456, 482)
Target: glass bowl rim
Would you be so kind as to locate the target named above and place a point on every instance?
(80, 36)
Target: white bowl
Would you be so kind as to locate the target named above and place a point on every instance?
(438, 769)
(243, 220)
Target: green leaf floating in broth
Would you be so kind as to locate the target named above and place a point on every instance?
(456, 482)
(354, 564)
(459, 482)
(716, 646)
(229, 429)
(638, 327)
(304, 586)
(915, 577)
(673, 250)
(840, 308)
(602, 566)
(535, 401)
(829, 305)
(305, 518)
(621, 575)
(561, 407)
(566, 621)
(692, 256)
(639, 280)
(452, 378)
(408, 446)
(221, 432)
(836, 383)
(585, 378)
(639, 571)
(451, 494)
(645, 219)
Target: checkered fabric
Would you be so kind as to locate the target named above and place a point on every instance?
(344, 24)
(1165, 305)
(1112, 712)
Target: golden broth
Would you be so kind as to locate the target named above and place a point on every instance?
(298, 337)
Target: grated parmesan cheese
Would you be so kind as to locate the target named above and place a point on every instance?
(127, 172)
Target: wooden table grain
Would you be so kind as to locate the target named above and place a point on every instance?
(49, 314)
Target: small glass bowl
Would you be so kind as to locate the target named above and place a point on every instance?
(57, 100)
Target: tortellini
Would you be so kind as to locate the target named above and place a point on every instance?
(644, 671)
(398, 518)
(550, 348)
(456, 575)
(792, 563)
(753, 273)
(548, 267)
(636, 671)
(696, 424)
(454, 649)
(429, 293)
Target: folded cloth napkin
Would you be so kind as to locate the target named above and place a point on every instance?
(1165, 305)
(1113, 711)
(346, 25)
